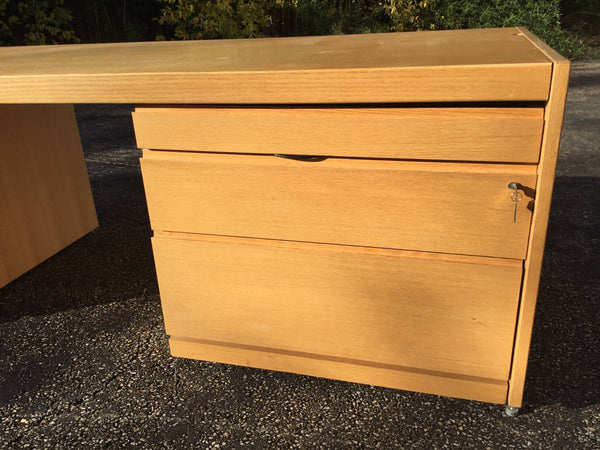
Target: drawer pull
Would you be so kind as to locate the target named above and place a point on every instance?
(305, 158)
(515, 197)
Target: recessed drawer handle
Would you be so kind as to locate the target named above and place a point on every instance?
(305, 158)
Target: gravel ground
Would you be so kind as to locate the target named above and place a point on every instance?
(84, 361)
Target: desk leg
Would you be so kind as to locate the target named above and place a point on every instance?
(45, 197)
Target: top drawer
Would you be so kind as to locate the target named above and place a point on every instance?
(445, 134)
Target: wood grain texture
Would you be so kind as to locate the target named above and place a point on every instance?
(436, 207)
(413, 312)
(45, 197)
(545, 49)
(337, 248)
(533, 264)
(464, 134)
(434, 66)
(338, 369)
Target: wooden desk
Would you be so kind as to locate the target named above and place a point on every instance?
(393, 255)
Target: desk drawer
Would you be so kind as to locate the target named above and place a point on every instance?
(435, 207)
(458, 134)
(451, 314)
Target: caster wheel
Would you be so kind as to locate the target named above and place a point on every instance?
(511, 411)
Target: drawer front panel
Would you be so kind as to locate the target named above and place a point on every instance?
(459, 134)
(372, 306)
(449, 208)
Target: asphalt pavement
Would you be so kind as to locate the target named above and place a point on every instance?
(84, 361)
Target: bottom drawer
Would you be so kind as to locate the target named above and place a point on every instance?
(440, 314)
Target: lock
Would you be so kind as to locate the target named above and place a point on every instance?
(515, 197)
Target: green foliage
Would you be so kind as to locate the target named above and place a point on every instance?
(35, 22)
(540, 17)
(411, 15)
(319, 17)
(202, 19)
(63, 21)
(209, 19)
(114, 20)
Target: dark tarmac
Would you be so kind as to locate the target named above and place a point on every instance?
(84, 361)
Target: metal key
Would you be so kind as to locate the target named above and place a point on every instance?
(515, 197)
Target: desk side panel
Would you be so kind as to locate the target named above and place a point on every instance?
(539, 226)
(45, 197)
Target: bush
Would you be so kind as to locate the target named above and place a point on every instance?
(35, 22)
(540, 17)
(51, 21)
(316, 17)
(114, 20)
(201, 19)
(206, 19)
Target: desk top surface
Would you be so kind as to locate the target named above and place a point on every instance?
(224, 71)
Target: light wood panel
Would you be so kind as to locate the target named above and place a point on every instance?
(45, 197)
(465, 65)
(449, 257)
(452, 208)
(339, 369)
(467, 134)
(388, 308)
(533, 264)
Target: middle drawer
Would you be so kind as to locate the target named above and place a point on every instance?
(434, 207)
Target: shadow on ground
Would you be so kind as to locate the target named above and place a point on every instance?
(115, 260)
(565, 354)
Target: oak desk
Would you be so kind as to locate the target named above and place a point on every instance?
(370, 208)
